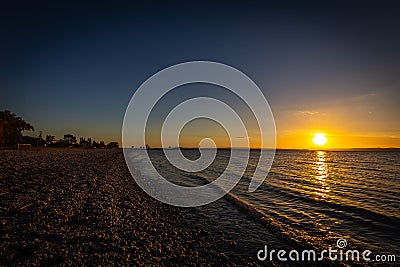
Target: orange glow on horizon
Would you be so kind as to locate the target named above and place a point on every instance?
(335, 140)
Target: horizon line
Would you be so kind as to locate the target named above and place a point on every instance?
(257, 148)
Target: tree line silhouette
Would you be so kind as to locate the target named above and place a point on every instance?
(12, 127)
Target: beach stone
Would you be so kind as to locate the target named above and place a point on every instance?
(82, 207)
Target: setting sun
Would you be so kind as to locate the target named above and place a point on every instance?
(320, 139)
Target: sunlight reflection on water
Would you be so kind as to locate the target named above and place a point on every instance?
(322, 188)
(319, 196)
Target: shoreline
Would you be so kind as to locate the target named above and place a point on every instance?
(87, 216)
(355, 149)
(82, 207)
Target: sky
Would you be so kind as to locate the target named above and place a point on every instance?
(326, 68)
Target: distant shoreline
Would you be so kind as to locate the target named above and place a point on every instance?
(393, 149)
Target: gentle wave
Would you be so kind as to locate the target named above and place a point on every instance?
(312, 198)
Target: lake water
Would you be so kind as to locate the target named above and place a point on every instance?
(314, 197)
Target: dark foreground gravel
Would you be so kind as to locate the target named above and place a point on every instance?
(81, 207)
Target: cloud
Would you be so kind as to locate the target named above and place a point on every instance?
(365, 96)
(308, 112)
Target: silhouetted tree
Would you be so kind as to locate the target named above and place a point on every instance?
(112, 145)
(101, 144)
(85, 143)
(95, 144)
(11, 128)
(40, 140)
(50, 139)
(69, 139)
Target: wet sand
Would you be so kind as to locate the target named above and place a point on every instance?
(82, 207)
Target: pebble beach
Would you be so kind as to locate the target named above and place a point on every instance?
(82, 207)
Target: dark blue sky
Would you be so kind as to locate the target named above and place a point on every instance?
(72, 68)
